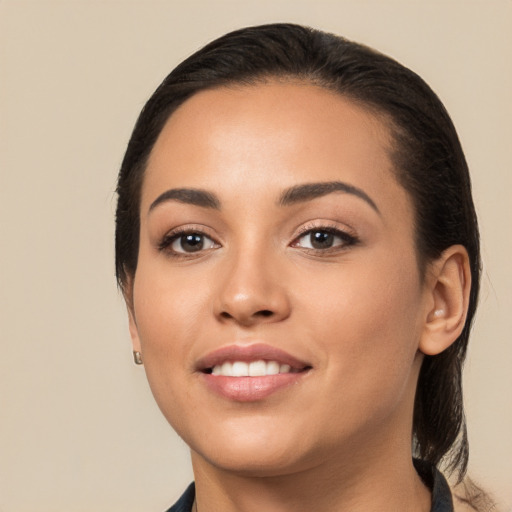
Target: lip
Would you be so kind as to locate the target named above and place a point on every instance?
(249, 353)
(250, 389)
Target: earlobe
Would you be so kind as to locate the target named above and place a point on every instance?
(450, 284)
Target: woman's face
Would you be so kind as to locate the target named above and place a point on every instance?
(277, 301)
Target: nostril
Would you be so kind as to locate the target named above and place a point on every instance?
(248, 317)
(264, 313)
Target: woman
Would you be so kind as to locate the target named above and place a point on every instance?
(298, 248)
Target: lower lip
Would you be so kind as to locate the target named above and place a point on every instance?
(250, 389)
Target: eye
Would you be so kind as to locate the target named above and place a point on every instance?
(322, 239)
(187, 242)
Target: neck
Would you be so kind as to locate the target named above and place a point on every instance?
(371, 483)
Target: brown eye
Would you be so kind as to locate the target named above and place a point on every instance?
(321, 239)
(191, 242)
(324, 239)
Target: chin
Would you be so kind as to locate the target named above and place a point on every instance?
(253, 462)
(250, 453)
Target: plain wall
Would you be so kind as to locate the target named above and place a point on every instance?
(79, 430)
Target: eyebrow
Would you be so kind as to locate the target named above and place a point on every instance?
(293, 195)
(193, 196)
(309, 191)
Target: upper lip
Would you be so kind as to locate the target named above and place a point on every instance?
(247, 353)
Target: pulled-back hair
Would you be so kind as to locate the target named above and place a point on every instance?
(427, 156)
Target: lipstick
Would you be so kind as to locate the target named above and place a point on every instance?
(249, 373)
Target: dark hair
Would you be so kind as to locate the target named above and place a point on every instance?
(426, 152)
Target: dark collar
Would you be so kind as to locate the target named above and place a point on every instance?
(434, 480)
(184, 504)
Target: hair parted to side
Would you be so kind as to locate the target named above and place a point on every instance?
(426, 152)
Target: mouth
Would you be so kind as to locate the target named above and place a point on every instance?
(260, 368)
(250, 373)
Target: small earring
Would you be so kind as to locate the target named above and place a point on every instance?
(137, 357)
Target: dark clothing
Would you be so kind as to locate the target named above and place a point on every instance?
(434, 480)
(184, 504)
(441, 494)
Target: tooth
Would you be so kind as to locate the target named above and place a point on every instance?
(285, 368)
(272, 368)
(227, 369)
(257, 369)
(240, 369)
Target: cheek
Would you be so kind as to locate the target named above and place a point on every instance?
(367, 321)
(370, 374)
(169, 318)
(169, 312)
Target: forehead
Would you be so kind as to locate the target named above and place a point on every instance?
(271, 135)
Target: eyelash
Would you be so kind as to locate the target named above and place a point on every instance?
(170, 238)
(346, 238)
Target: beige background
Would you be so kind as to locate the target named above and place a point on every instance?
(78, 427)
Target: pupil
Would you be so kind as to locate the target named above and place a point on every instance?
(321, 239)
(192, 243)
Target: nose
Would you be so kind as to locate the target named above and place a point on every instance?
(251, 292)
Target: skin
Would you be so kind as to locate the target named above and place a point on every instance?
(360, 314)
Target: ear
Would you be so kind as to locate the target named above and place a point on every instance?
(134, 331)
(449, 284)
(132, 323)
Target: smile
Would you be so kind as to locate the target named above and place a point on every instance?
(249, 373)
(259, 368)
